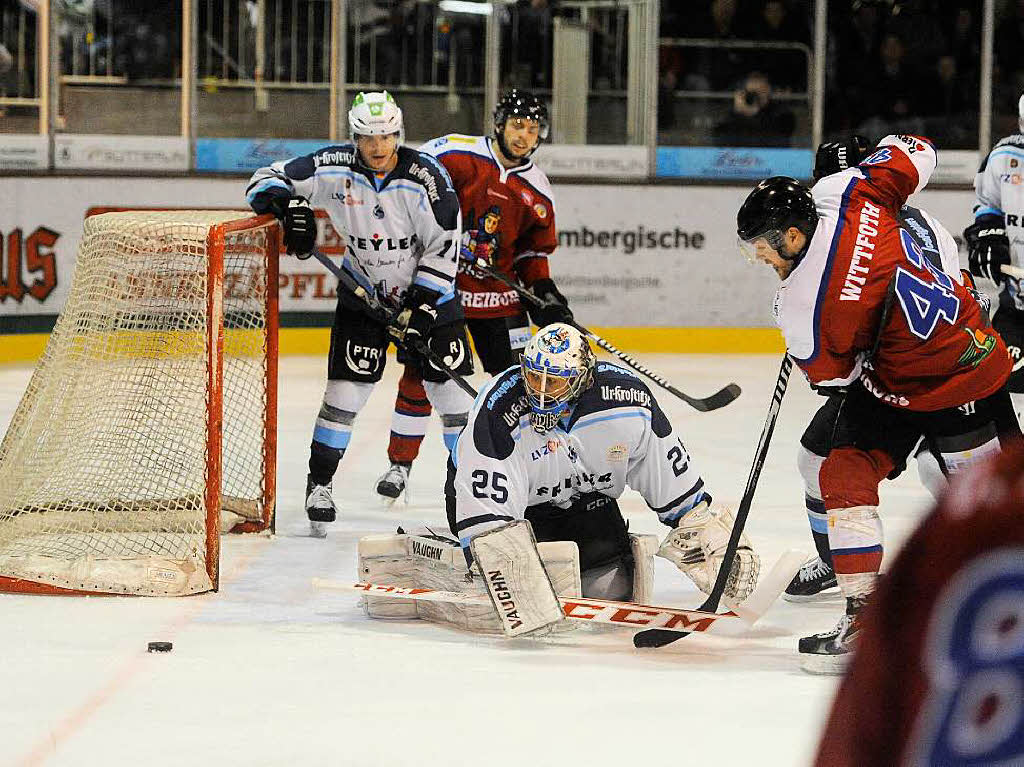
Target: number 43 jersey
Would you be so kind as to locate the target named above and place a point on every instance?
(865, 279)
(616, 436)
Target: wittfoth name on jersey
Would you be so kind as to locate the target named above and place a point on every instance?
(624, 394)
(867, 230)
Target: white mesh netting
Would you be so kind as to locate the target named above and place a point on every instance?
(104, 467)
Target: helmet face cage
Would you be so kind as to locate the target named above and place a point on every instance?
(517, 103)
(556, 366)
(375, 114)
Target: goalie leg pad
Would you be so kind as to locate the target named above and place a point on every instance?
(423, 561)
(515, 578)
(643, 548)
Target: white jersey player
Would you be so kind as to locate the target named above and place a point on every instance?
(398, 210)
(996, 238)
(557, 439)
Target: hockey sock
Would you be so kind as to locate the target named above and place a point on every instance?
(409, 421)
(333, 430)
(856, 537)
(809, 464)
(453, 404)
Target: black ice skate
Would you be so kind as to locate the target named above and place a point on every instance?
(394, 482)
(830, 652)
(815, 580)
(320, 507)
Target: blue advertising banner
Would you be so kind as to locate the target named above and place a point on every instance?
(238, 155)
(709, 162)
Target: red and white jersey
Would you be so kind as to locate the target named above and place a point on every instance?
(936, 677)
(937, 347)
(508, 219)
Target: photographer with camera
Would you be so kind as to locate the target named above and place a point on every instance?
(755, 119)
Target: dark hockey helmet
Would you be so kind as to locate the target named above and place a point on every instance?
(774, 205)
(520, 103)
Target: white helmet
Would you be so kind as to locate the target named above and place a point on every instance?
(557, 366)
(375, 114)
(1020, 114)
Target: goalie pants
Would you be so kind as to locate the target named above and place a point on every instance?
(498, 342)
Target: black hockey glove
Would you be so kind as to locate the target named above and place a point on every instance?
(299, 224)
(418, 313)
(835, 156)
(557, 309)
(987, 247)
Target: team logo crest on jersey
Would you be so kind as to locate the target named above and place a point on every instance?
(617, 453)
(555, 341)
(483, 241)
(378, 211)
(979, 348)
(527, 197)
(540, 210)
(1014, 163)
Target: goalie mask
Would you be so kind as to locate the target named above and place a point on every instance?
(375, 114)
(557, 367)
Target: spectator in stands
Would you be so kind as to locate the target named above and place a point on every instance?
(892, 98)
(1009, 41)
(787, 69)
(755, 120)
(722, 22)
(534, 52)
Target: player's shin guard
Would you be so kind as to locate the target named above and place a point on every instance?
(453, 404)
(333, 430)
(410, 418)
(810, 466)
(855, 534)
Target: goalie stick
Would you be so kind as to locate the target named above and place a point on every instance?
(631, 615)
(381, 313)
(658, 637)
(719, 399)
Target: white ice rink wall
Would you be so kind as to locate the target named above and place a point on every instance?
(656, 263)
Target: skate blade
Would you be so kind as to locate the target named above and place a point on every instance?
(822, 596)
(825, 665)
(317, 529)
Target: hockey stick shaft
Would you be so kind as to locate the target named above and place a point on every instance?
(624, 614)
(719, 399)
(379, 312)
(657, 638)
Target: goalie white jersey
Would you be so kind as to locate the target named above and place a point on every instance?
(401, 229)
(616, 436)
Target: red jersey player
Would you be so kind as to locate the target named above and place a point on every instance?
(863, 311)
(508, 218)
(938, 674)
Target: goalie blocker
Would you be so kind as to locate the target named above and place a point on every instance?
(522, 578)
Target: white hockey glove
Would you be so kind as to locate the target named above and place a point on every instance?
(697, 547)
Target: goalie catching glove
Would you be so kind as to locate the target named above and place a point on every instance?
(697, 547)
(416, 318)
(298, 223)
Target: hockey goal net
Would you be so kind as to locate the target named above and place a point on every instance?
(149, 423)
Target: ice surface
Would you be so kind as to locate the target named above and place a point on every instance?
(270, 672)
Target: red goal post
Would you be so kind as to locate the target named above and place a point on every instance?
(149, 425)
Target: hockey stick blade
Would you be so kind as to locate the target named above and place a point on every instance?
(630, 615)
(719, 399)
(1012, 271)
(764, 595)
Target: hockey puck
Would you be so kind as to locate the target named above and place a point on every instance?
(159, 647)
